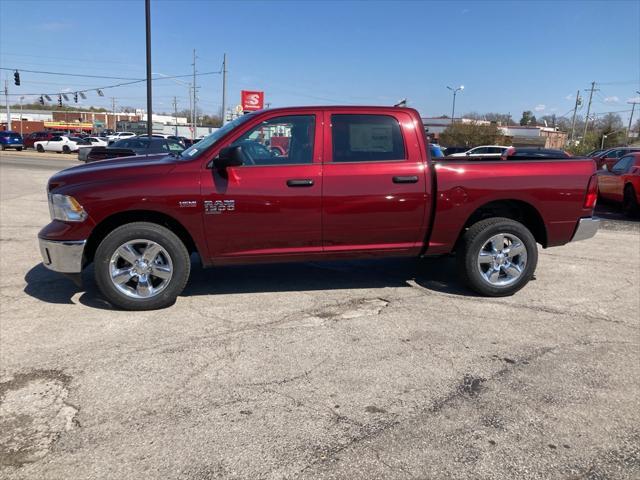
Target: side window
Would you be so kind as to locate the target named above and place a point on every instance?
(284, 140)
(480, 151)
(56, 139)
(175, 147)
(366, 138)
(622, 165)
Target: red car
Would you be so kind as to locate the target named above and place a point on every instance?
(31, 138)
(354, 182)
(621, 184)
(611, 156)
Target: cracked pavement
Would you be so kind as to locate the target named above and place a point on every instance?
(341, 370)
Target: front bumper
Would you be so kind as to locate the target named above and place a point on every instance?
(62, 256)
(587, 228)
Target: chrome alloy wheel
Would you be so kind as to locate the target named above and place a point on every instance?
(502, 259)
(140, 268)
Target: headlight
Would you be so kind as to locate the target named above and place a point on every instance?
(65, 208)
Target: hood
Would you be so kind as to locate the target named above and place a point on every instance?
(113, 169)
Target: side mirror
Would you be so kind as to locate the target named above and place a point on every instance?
(229, 157)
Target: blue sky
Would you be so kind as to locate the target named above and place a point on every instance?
(510, 56)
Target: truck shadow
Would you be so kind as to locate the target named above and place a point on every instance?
(435, 274)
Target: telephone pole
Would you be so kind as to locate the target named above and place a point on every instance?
(175, 113)
(633, 107)
(224, 87)
(586, 120)
(6, 98)
(575, 110)
(113, 111)
(194, 113)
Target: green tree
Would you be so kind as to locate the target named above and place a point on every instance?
(470, 135)
(528, 118)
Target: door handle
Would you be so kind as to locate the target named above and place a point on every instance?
(305, 182)
(409, 179)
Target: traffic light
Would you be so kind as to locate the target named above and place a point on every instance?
(16, 77)
(75, 97)
(59, 100)
(41, 100)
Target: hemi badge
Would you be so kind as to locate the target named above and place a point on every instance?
(187, 204)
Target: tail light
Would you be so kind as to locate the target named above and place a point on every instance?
(592, 193)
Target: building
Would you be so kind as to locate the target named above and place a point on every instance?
(518, 136)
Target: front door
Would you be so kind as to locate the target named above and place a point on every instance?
(269, 208)
(376, 189)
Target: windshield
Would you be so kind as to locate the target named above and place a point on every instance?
(196, 149)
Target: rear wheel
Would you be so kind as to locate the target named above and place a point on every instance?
(40, 148)
(497, 256)
(630, 202)
(141, 266)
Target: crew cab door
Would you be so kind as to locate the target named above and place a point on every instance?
(269, 207)
(376, 188)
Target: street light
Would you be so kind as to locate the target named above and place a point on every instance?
(453, 108)
(606, 135)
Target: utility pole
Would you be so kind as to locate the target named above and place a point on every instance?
(22, 98)
(633, 107)
(224, 87)
(6, 98)
(147, 17)
(175, 112)
(113, 111)
(194, 113)
(575, 110)
(586, 120)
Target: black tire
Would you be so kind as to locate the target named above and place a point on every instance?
(630, 205)
(66, 149)
(148, 231)
(3, 148)
(40, 148)
(19, 149)
(475, 238)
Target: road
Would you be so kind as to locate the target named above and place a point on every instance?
(345, 370)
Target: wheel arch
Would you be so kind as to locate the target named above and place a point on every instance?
(116, 220)
(517, 210)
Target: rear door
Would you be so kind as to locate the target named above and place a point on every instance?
(375, 184)
(269, 207)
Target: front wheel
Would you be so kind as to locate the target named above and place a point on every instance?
(66, 149)
(40, 148)
(497, 256)
(141, 266)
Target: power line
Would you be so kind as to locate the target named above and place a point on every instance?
(69, 74)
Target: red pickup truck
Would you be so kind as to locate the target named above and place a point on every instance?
(354, 182)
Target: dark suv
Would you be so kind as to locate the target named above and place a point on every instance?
(10, 139)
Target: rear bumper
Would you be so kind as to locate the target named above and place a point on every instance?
(62, 256)
(587, 228)
(11, 145)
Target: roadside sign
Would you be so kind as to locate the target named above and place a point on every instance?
(251, 100)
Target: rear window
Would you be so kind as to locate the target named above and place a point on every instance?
(10, 134)
(366, 138)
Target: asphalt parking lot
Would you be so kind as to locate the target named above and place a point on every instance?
(360, 369)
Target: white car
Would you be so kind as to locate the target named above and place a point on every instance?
(61, 143)
(83, 150)
(119, 136)
(482, 151)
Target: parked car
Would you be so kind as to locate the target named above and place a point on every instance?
(622, 183)
(356, 182)
(30, 139)
(134, 146)
(9, 139)
(482, 151)
(183, 140)
(60, 144)
(451, 150)
(611, 156)
(106, 132)
(532, 153)
(119, 136)
(83, 150)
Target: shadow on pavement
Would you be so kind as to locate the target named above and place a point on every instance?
(436, 274)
